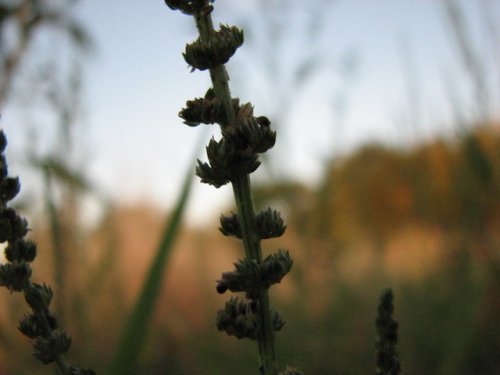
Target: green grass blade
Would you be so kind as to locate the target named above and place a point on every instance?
(136, 329)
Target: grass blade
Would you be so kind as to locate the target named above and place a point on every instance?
(136, 329)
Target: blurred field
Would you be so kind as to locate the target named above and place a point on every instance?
(425, 221)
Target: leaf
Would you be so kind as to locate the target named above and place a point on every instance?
(136, 329)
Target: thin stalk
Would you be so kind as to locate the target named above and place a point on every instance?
(251, 243)
(245, 206)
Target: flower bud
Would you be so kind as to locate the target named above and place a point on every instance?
(274, 267)
(38, 297)
(245, 278)
(12, 226)
(9, 188)
(212, 176)
(238, 319)
(35, 325)
(47, 350)
(251, 134)
(269, 224)
(15, 276)
(223, 44)
(21, 251)
(230, 226)
(29, 327)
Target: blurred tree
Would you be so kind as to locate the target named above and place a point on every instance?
(380, 191)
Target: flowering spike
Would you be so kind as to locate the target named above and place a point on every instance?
(387, 329)
(49, 344)
(231, 160)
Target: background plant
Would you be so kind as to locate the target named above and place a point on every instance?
(49, 342)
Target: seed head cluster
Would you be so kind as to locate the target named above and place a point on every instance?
(50, 343)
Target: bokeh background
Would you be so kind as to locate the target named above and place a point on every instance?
(386, 169)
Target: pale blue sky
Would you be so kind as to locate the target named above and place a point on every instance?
(137, 81)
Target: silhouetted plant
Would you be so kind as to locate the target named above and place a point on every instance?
(50, 343)
(231, 160)
(387, 329)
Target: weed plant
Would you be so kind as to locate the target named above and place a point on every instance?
(50, 343)
(231, 160)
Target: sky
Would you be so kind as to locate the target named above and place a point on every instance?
(382, 76)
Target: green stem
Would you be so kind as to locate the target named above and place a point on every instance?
(266, 336)
(244, 203)
(251, 243)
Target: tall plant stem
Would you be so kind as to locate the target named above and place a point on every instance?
(244, 202)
